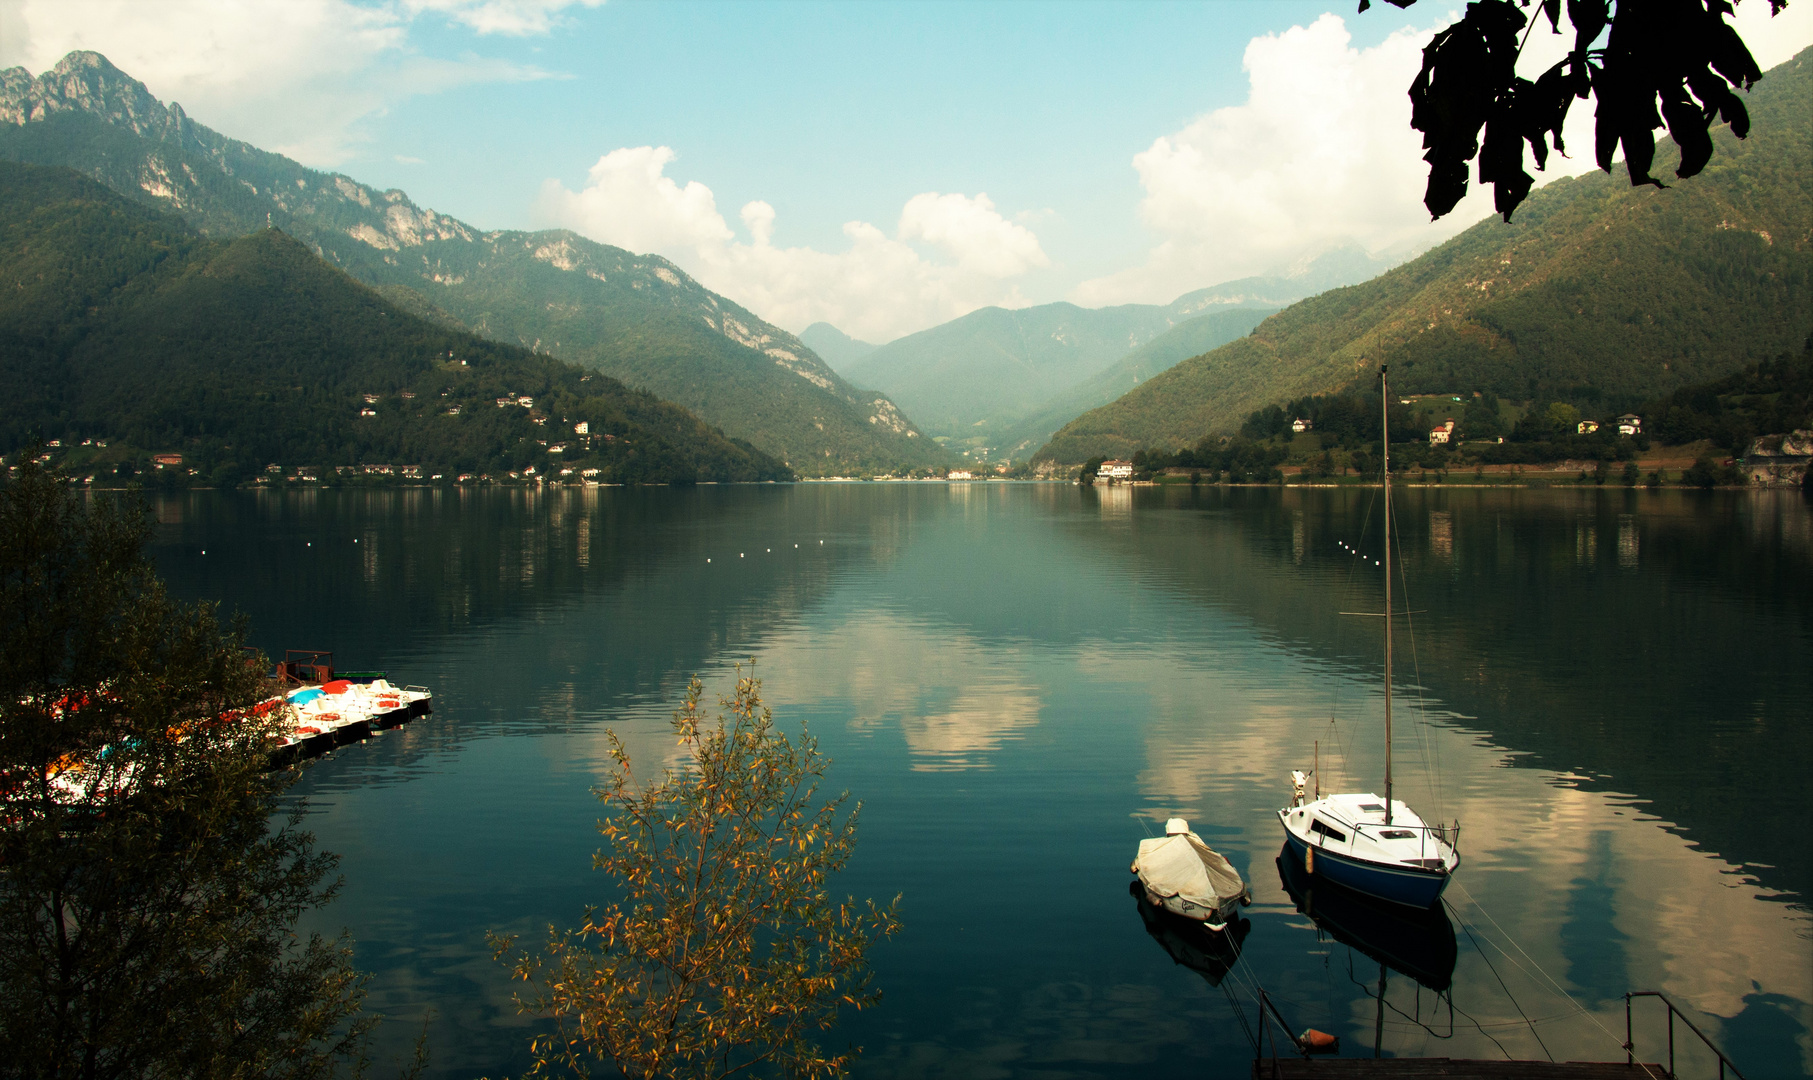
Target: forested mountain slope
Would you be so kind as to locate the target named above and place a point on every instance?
(833, 346)
(1192, 337)
(994, 363)
(1009, 378)
(119, 323)
(636, 317)
(1598, 292)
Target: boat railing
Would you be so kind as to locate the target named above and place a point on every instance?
(1447, 834)
(1630, 1051)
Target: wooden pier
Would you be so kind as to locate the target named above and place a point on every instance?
(1336, 1068)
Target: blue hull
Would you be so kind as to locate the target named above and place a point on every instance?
(1398, 884)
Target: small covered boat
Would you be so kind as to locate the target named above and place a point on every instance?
(1186, 877)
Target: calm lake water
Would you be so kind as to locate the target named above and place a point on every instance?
(1612, 691)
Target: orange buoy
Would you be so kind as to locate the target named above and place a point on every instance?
(1309, 860)
(1318, 1042)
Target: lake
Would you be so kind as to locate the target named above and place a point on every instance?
(1611, 690)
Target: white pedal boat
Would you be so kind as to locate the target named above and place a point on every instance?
(1186, 877)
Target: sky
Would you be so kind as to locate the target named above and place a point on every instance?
(884, 167)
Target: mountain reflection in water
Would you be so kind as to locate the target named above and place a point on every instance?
(1609, 689)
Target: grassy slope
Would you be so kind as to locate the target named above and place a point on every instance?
(1597, 286)
(117, 321)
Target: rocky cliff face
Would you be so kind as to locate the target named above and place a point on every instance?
(86, 82)
(637, 317)
(1779, 460)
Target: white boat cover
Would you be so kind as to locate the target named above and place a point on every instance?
(1182, 865)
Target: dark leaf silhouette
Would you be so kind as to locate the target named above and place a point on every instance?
(1665, 63)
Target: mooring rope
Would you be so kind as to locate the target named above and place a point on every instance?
(1569, 998)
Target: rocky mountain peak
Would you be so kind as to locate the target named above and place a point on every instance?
(551, 291)
(86, 81)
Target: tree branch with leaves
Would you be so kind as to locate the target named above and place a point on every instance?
(148, 903)
(724, 952)
(1663, 63)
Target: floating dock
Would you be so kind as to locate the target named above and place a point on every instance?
(1307, 1067)
(326, 709)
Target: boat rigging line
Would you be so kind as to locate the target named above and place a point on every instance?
(1565, 996)
(1501, 982)
(1432, 779)
(1336, 685)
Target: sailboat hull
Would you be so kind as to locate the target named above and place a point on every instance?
(1405, 885)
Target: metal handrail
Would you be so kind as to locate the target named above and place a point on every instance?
(1630, 1046)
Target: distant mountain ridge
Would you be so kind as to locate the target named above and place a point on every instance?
(1007, 378)
(837, 348)
(1192, 337)
(636, 317)
(1597, 292)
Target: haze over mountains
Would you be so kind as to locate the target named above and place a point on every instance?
(638, 318)
(837, 348)
(1597, 292)
(1006, 379)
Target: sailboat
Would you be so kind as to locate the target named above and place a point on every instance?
(1372, 845)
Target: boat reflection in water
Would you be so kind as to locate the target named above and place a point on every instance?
(1210, 954)
(1419, 944)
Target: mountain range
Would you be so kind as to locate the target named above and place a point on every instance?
(638, 318)
(1598, 293)
(1006, 379)
(121, 326)
(837, 348)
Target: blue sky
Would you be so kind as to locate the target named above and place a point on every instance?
(883, 166)
(839, 111)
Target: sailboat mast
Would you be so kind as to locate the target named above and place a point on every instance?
(1385, 442)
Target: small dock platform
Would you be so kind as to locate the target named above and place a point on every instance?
(1335, 1068)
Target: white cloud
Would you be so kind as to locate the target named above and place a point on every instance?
(1774, 38)
(296, 77)
(877, 288)
(1321, 153)
(514, 17)
(971, 232)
